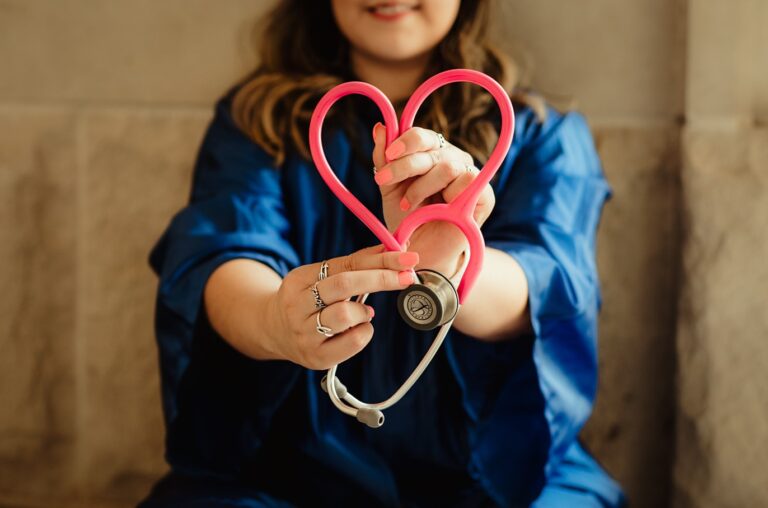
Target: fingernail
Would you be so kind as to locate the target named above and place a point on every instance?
(409, 258)
(383, 176)
(375, 128)
(406, 278)
(371, 312)
(395, 150)
(404, 204)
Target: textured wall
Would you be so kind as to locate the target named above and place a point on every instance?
(623, 63)
(103, 105)
(722, 349)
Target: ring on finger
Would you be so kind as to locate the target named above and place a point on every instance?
(440, 140)
(319, 303)
(323, 271)
(471, 169)
(320, 328)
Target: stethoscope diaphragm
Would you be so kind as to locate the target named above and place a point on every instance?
(429, 303)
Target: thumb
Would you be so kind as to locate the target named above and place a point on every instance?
(379, 140)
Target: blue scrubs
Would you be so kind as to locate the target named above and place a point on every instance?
(487, 425)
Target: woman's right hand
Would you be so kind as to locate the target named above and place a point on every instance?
(291, 312)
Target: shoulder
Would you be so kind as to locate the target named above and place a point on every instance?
(227, 142)
(228, 158)
(562, 140)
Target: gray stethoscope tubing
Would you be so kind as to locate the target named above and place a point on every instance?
(370, 413)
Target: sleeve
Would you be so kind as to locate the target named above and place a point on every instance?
(529, 397)
(236, 210)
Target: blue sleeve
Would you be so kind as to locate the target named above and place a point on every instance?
(236, 210)
(529, 397)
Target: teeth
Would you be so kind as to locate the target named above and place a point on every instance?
(391, 10)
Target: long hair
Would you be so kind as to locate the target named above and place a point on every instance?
(303, 55)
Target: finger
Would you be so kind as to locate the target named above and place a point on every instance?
(347, 284)
(343, 346)
(458, 185)
(415, 139)
(341, 316)
(369, 259)
(379, 142)
(485, 205)
(486, 200)
(408, 166)
(310, 273)
(440, 177)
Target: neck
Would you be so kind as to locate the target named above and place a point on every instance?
(397, 79)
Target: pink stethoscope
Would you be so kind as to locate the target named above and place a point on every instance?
(433, 301)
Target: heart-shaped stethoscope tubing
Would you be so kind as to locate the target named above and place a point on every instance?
(434, 292)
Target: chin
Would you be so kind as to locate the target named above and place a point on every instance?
(397, 51)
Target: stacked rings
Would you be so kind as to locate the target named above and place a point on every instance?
(319, 303)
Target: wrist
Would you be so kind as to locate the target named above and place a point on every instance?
(269, 328)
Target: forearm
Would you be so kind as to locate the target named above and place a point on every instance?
(237, 298)
(497, 307)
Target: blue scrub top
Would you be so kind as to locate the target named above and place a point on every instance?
(487, 424)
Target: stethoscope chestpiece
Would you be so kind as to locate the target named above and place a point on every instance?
(429, 303)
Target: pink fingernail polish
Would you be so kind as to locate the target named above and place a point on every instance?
(383, 176)
(404, 204)
(371, 312)
(408, 258)
(395, 150)
(405, 278)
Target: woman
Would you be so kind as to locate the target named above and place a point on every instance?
(494, 420)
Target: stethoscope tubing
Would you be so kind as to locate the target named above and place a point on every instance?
(459, 212)
(409, 382)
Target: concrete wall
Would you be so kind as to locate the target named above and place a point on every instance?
(103, 105)
(722, 417)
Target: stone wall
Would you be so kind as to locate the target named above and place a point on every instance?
(103, 105)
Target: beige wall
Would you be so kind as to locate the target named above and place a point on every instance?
(103, 104)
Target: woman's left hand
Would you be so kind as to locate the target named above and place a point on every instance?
(420, 172)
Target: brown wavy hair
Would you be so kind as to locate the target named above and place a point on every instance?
(303, 55)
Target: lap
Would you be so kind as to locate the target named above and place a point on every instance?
(176, 492)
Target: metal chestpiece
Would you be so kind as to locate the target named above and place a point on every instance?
(429, 303)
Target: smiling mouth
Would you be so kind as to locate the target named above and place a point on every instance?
(391, 10)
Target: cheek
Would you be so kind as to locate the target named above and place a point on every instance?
(412, 36)
(439, 16)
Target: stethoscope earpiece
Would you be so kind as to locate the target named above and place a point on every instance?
(429, 303)
(374, 418)
(371, 417)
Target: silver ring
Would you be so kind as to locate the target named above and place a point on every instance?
(440, 140)
(319, 303)
(374, 170)
(320, 328)
(323, 271)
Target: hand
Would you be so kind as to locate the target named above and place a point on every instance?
(292, 314)
(420, 173)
